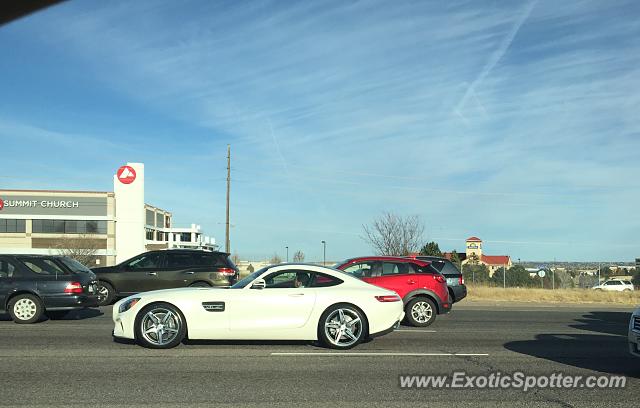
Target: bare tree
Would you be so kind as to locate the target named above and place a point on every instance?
(275, 259)
(298, 256)
(80, 248)
(392, 234)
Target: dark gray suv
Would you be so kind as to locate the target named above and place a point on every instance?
(164, 269)
(455, 281)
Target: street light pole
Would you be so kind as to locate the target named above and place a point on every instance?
(287, 248)
(504, 276)
(324, 253)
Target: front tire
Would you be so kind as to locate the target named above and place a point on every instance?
(200, 285)
(420, 312)
(342, 327)
(26, 309)
(160, 326)
(105, 293)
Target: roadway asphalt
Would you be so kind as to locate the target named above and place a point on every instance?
(75, 362)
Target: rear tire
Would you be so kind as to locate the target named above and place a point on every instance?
(105, 293)
(160, 326)
(342, 327)
(25, 309)
(420, 312)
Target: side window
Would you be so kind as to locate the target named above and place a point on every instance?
(440, 266)
(180, 260)
(361, 270)
(428, 269)
(204, 259)
(7, 269)
(288, 279)
(449, 269)
(389, 268)
(146, 261)
(321, 280)
(42, 266)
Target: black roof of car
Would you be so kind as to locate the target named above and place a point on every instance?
(188, 250)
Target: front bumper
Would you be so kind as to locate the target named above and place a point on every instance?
(634, 339)
(123, 322)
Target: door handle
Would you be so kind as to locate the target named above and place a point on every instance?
(152, 273)
(297, 294)
(411, 282)
(190, 273)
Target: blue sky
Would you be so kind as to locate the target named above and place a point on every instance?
(513, 121)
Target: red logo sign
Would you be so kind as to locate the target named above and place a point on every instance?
(1, 204)
(126, 174)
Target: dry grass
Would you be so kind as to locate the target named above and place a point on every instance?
(477, 292)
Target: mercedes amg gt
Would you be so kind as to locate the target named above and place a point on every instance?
(279, 302)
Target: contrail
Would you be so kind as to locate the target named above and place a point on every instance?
(495, 57)
(275, 142)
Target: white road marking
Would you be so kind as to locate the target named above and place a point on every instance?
(415, 331)
(373, 354)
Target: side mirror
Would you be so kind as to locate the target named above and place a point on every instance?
(259, 284)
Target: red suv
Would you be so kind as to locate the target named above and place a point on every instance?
(422, 288)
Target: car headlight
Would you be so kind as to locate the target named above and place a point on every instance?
(128, 305)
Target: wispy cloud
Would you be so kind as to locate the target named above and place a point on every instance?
(513, 121)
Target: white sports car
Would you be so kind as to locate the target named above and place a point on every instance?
(281, 302)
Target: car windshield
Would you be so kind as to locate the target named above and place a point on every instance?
(248, 279)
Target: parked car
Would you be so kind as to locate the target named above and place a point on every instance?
(165, 269)
(280, 302)
(32, 285)
(634, 333)
(422, 288)
(455, 281)
(615, 285)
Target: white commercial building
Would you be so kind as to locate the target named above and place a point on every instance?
(118, 224)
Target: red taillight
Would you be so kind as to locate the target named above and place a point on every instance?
(73, 287)
(227, 271)
(440, 278)
(388, 298)
(461, 280)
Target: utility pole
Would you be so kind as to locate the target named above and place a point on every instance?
(287, 248)
(324, 253)
(227, 242)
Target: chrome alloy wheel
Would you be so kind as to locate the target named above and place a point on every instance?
(101, 292)
(160, 326)
(421, 312)
(343, 327)
(25, 309)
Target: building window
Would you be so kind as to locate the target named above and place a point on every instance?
(150, 218)
(185, 237)
(159, 220)
(69, 227)
(149, 234)
(12, 226)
